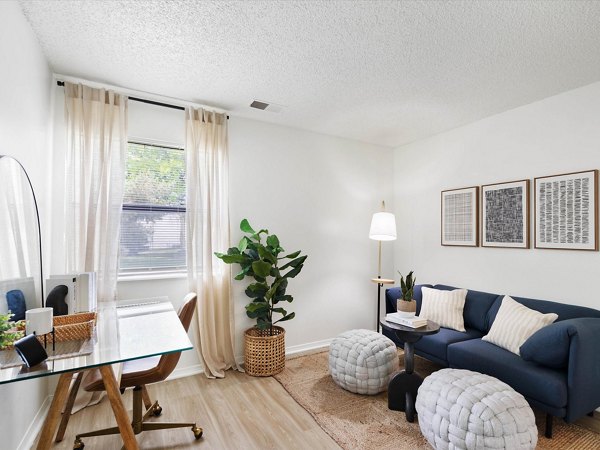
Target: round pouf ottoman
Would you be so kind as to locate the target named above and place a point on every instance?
(361, 361)
(461, 409)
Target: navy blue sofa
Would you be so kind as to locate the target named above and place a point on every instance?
(558, 371)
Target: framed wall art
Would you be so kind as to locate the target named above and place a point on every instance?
(505, 214)
(566, 211)
(460, 217)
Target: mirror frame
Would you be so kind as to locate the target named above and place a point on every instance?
(39, 228)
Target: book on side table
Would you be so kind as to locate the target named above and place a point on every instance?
(412, 322)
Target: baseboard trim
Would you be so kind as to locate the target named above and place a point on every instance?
(310, 347)
(36, 425)
(186, 372)
(294, 350)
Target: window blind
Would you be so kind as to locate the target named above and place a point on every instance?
(153, 219)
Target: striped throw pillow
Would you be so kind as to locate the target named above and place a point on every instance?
(515, 323)
(444, 307)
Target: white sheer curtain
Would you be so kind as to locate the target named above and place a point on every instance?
(96, 152)
(207, 221)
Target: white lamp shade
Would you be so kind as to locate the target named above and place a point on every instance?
(383, 227)
(38, 320)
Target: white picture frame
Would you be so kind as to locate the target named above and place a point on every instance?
(505, 214)
(566, 211)
(460, 217)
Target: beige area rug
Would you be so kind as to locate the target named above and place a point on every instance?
(364, 422)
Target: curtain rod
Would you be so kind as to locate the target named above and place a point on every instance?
(143, 100)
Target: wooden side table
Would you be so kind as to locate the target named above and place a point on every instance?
(403, 386)
(380, 282)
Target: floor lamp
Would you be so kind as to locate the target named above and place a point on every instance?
(383, 228)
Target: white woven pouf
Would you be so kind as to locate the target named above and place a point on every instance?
(362, 361)
(461, 409)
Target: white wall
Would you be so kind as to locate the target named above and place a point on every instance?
(557, 135)
(316, 192)
(24, 124)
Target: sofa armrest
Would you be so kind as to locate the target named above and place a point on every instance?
(583, 379)
(391, 296)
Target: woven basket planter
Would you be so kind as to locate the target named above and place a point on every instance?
(264, 355)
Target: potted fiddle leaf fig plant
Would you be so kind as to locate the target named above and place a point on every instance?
(406, 305)
(261, 257)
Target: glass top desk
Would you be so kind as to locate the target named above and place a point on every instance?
(133, 330)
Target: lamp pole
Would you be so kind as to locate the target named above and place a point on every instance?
(383, 228)
(380, 282)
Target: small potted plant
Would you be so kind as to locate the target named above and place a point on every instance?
(270, 268)
(406, 305)
(9, 331)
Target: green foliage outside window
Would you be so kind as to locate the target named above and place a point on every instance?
(155, 176)
(153, 223)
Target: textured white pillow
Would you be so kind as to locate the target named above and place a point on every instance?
(515, 323)
(444, 307)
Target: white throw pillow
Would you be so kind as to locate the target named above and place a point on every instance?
(515, 323)
(444, 307)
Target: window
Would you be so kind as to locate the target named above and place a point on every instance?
(153, 220)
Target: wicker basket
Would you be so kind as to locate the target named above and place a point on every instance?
(73, 327)
(264, 355)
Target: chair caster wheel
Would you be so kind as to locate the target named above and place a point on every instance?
(78, 445)
(157, 410)
(197, 432)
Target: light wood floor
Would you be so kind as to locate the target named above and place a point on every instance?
(237, 412)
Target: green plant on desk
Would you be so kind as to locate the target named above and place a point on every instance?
(8, 333)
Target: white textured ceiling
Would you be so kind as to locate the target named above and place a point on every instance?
(384, 72)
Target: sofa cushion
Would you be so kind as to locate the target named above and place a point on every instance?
(515, 323)
(477, 305)
(444, 307)
(475, 312)
(549, 346)
(564, 311)
(548, 386)
(437, 344)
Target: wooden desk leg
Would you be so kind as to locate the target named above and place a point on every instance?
(123, 420)
(66, 415)
(60, 394)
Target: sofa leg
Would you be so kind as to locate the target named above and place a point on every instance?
(591, 414)
(548, 433)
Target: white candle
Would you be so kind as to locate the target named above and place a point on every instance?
(38, 321)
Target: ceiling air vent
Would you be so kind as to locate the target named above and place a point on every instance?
(259, 105)
(264, 106)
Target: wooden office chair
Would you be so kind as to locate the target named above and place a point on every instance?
(137, 374)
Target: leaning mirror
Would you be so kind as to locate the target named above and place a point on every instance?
(21, 278)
